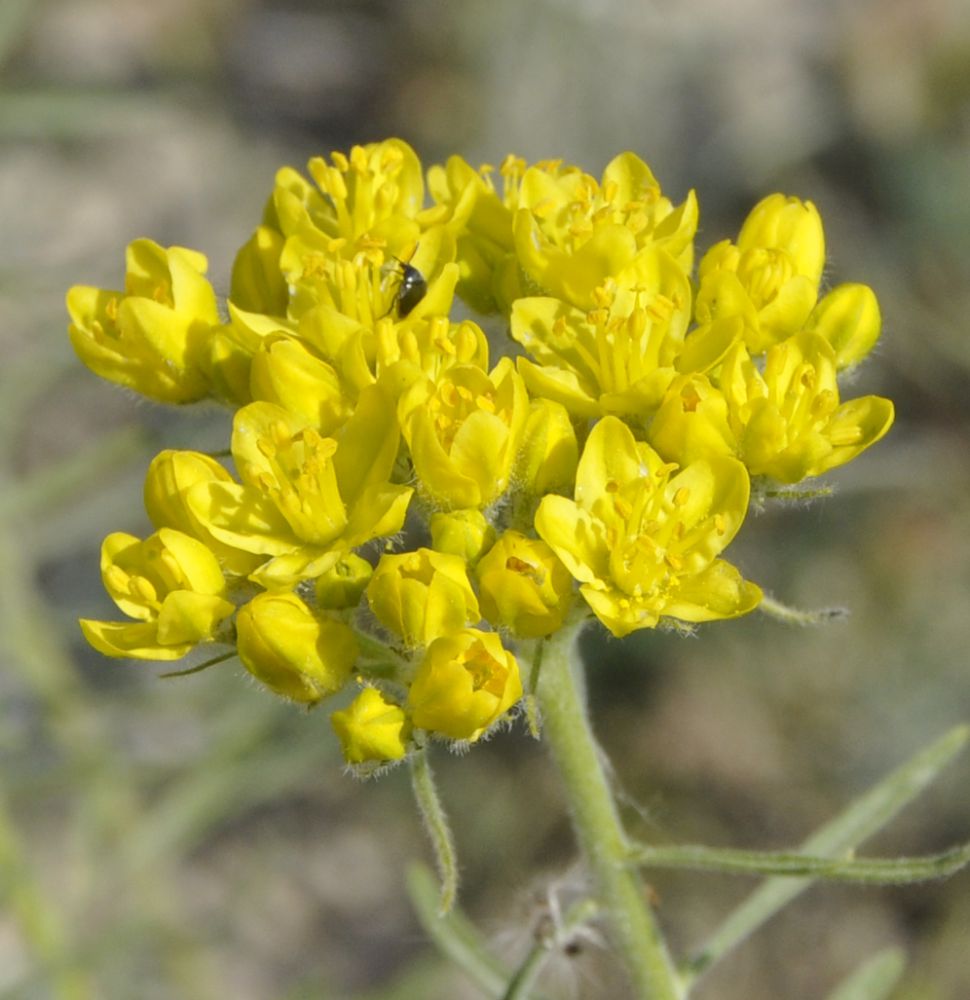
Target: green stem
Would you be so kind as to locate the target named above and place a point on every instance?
(436, 823)
(596, 821)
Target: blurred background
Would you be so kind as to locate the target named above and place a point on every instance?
(196, 838)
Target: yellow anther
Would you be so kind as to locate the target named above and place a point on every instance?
(279, 435)
(636, 222)
(543, 209)
(610, 191)
(392, 159)
(603, 295)
(340, 161)
(674, 561)
(141, 589)
(612, 486)
(823, 404)
(681, 496)
(170, 564)
(111, 308)
(485, 403)
(720, 523)
(115, 578)
(622, 507)
(844, 436)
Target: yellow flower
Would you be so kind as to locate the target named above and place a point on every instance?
(788, 421)
(524, 586)
(297, 654)
(464, 433)
(467, 204)
(371, 729)
(421, 595)
(171, 584)
(572, 233)
(331, 289)
(464, 684)
(409, 352)
(365, 199)
(305, 500)
(152, 337)
(621, 356)
(642, 541)
(770, 277)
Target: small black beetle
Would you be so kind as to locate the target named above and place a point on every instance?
(412, 288)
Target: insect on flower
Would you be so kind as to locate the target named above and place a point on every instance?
(412, 288)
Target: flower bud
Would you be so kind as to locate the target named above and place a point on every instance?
(549, 453)
(464, 433)
(258, 284)
(770, 278)
(463, 533)
(848, 318)
(150, 337)
(421, 595)
(524, 587)
(371, 728)
(342, 586)
(292, 651)
(464, 684)
(789, 224)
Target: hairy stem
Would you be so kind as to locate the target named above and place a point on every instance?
(567, 732)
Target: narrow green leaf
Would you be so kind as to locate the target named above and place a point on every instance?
(858, 822)
(875, 979)
(788, 615)
(199, 667)
(868, 871)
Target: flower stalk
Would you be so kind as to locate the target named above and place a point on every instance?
(568, 734)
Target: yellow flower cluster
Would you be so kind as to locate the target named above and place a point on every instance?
(397, 510)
